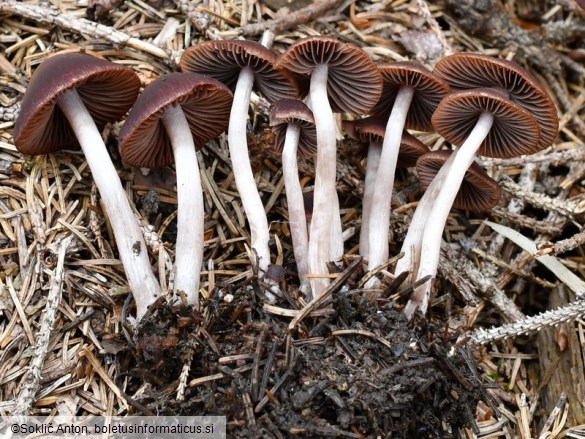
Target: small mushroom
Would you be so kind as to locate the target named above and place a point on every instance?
(177, 114)
(409, 96)
(69, 100)
(243, 66)
(371, 130)
(294, 128)
(343, 79)
(478, 192)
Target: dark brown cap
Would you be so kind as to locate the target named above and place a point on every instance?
(514, 131)
(223, 60)
(429, 90)
(293, 112)
(367, 130)
(464, 71)
(372, 129)
(354, 83)
(205, 102)
(478, 191)
(411, 149)
(108, 90)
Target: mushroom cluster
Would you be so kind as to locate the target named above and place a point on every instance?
(479, 104)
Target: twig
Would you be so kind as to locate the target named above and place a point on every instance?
(573, 154)
(562, 246)
(561, 404)
(199, 19)
(326, 294)
(50, 16)
(8, 114)
(278, 25)
(32, 378)
(563, 207)
(426, 13)
(529, 325)
(370, 334)
(484, 284)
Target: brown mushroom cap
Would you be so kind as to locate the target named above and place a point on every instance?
(372, 129)
(223, 60)
(514, 132)
(367, 130)
(108, 90)
(411, 149)
(354, 83)
(205, 102)
(464, 71)
(478, 191)
(429, 90)
(293, 112)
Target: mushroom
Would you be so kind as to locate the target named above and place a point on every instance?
(481, 120)
(342, 79)
(372, 130)
(478, 192)
(410, 95)
(294, 128)
(177, 114)
(69, 100)
(243, 66)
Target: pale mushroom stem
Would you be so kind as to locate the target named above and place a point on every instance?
(131, 246)
(336, 242)
(380, 221)
(372, 164)
(411, 246)
(433, 230)
(296, 207)
(243, 175)
(319, 245)
(190, 212)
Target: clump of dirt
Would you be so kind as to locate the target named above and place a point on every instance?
(360, 370)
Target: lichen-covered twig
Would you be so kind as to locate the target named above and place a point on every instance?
(32, 377)
(278, 25)
(428, 16)
(553, 158)
(483, 284)
(562, 246)
(200, 20)
(8, 114)
(528, 325)
(564, 207)
(51, 16)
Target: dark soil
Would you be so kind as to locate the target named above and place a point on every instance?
(385, 377)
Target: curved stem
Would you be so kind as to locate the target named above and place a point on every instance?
(131, 246)
(319, 251)
(296, 207)
(433, 231)
(372, 164)
(238, 147)
(411, 247)
(190, 213)
(380, 221)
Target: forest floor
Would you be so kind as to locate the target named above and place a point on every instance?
(350, 366)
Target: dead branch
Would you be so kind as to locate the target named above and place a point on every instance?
(302, 16)
(50, 16)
